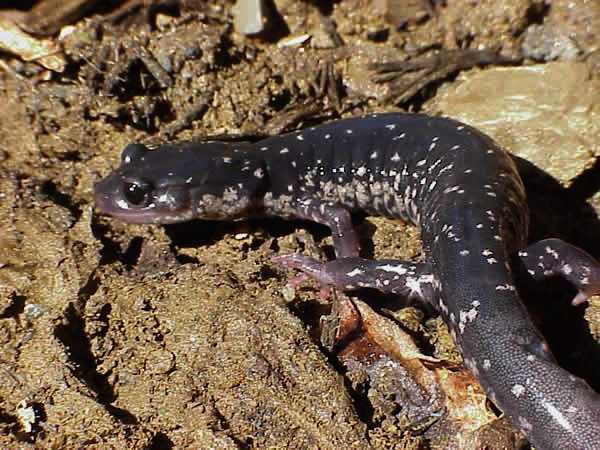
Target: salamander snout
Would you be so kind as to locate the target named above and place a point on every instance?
(136, 200)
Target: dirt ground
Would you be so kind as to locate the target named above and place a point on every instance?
(131, 336)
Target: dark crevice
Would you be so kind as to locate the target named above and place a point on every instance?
(537, 12)
(72, 334)
(16, 306)
(133, 251)
(49, 190)
(9, 425)
(587, 183)
(310, 313)
(549, 305)
(185, 259)
(160, 441)
(276, 27)
(111, 250)
(246, 444)
(362, 405)
(325, 7)
(563, 213)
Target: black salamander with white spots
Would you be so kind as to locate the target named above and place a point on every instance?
(454, 182)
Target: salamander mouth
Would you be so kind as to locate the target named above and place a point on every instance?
(108, 204)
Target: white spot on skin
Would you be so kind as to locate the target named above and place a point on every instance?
(226, 160)
(567, 269)
(361, 171)
(525, 425)
(348, 131)
(487, 252)
(400, 136)
(505, 287)
(188, 180)
(486, 364)
(443, 306)
(464, 252)
(468, 316)
(259, 173)
(327, 136)
(557, 415)
(472, 366)
(284, 150)
(552, 253)
(421, 163)
(414, 284)
(451, 189)
(396, 157)
(354, 272)
(263, 149)
(399, 269)
(518, 390)
(300, 137)
(390, 126)
(373, 155)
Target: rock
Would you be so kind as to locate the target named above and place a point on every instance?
(249, 16)
(547, 43)
(548, 114)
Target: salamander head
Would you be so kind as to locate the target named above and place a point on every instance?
(176, 183)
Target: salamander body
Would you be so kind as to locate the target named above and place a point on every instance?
(451, 180)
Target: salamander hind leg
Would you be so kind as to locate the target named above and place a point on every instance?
(554, 257)
(337, 218)
(411, 280)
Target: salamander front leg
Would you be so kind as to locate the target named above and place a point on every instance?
(337, 218)
(411, 280)
(553, 257)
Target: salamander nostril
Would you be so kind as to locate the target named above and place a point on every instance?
(136, 194)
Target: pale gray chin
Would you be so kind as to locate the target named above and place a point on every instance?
(150, 215)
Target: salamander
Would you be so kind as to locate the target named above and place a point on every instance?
(459, 187)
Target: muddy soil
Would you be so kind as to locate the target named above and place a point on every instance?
(131, 336)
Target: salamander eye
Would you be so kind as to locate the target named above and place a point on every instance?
(137, 194)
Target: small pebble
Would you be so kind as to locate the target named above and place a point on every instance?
(33, 311)
(249, 16)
